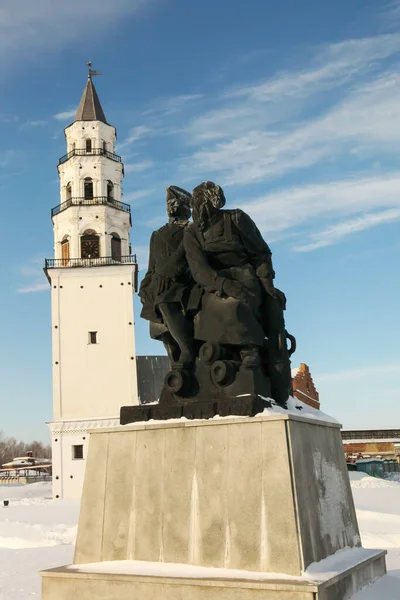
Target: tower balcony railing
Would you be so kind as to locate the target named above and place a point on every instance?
(102, 261)
(92, 152)
(96, 201)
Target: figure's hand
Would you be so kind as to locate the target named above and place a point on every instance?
(273, 291)
(280, 296)
(235, 289)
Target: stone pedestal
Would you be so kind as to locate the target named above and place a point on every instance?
(266, 496)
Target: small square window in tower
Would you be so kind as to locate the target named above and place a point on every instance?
(77, 452)
(92, 337)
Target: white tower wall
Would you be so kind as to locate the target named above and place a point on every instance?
(72, 223)
(93, 345)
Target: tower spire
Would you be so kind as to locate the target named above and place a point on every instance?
(89, 108)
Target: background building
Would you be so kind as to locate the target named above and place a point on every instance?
(303, 386)
(374, 443)
(93, 277)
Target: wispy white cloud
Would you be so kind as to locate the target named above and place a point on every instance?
(136, 134)
(310, 206)
(32, 270)
(7, 118)
(137, 167)
(9, 157)
(364, 123)
(257, 105)
(335, 233)
(33, 288)
(65, 114)
(358, 374)
(289, 125)
(172, 104)
(38, 123)
(48, 25)
(334, 65)
(391, 14)
(137, 195)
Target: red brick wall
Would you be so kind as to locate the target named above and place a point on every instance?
(304, 388)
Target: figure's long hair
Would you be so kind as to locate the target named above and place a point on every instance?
(207, 199)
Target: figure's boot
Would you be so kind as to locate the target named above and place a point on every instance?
(181, 329)
(188, 354)
(250, 356)
(172, 349)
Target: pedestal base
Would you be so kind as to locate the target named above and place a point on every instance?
(256, 508)
(269, 493)
(127, 580)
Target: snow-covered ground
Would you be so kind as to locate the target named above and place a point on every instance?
(38, 533)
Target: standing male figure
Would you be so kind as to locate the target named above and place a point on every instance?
(167, 282)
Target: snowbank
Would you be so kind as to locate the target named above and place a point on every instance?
(36, 533)
(362, 480)
(34, 490)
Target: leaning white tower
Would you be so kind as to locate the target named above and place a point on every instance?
(93, 277)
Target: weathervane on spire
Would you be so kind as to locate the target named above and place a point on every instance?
(91, 71)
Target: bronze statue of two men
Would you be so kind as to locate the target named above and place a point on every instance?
(209, 295)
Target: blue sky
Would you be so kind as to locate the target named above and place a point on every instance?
(293, 107)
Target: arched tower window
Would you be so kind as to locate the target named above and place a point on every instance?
(68, 191)
(110, 190)
(65, 251)
(90, 244)
(88, 187)
(104, 146)
(88, 145)
(115, 247)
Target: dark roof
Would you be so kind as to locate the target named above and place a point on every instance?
(89, 108)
